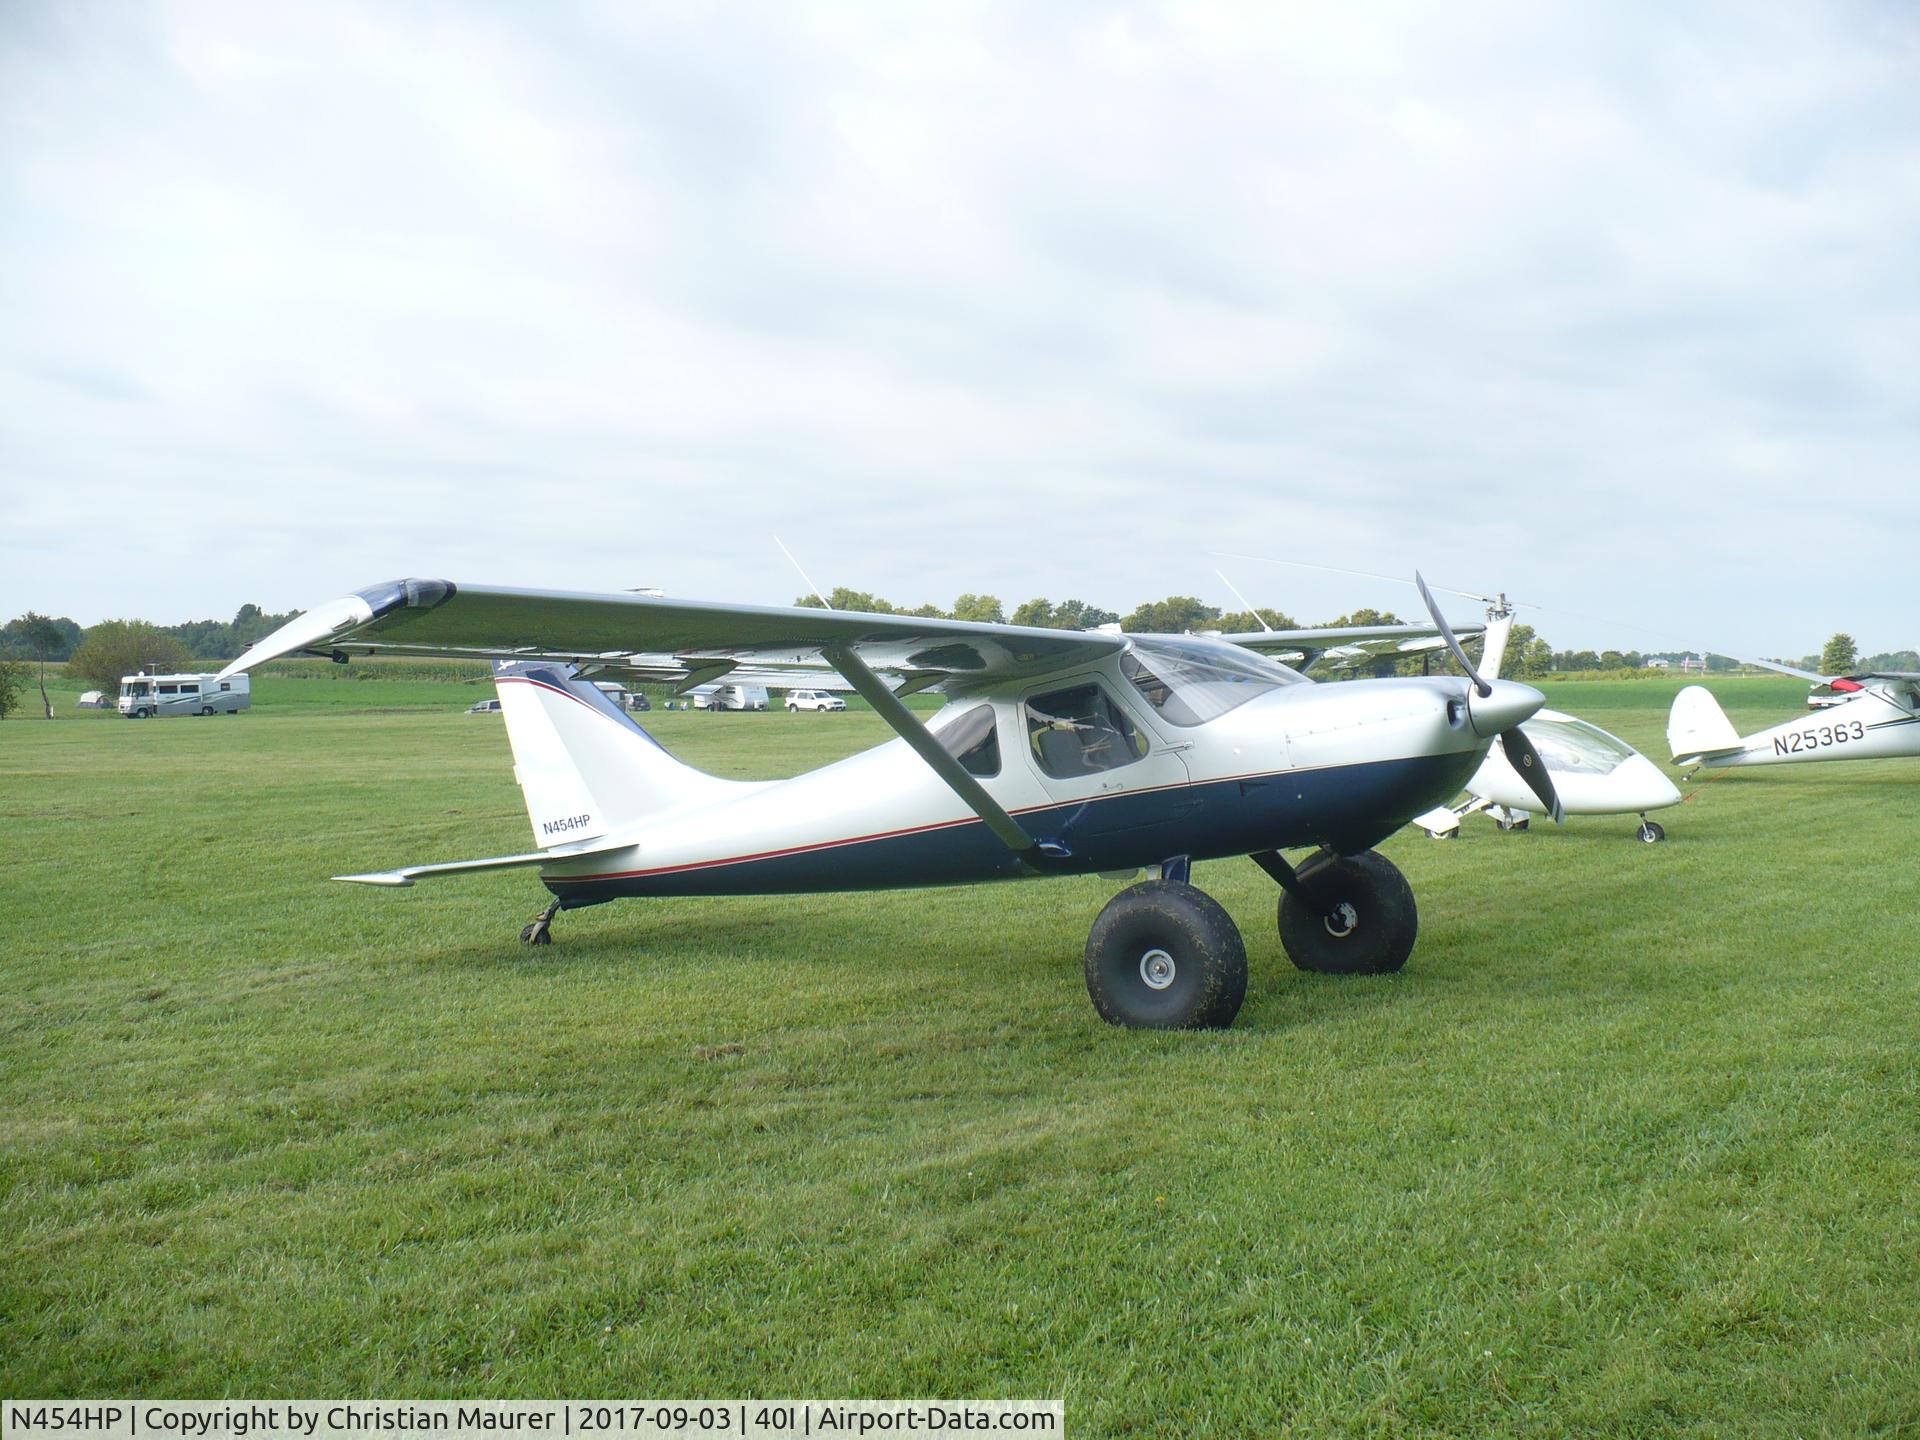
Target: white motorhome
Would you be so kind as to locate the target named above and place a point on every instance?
(142, 697)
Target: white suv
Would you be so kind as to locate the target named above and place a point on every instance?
(814, 700)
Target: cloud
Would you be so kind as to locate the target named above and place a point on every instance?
(1614, 309)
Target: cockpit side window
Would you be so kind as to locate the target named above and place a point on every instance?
(973, 740)
(1190, 680)
(1081, 731)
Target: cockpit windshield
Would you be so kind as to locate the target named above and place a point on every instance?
(1190, 679)
(1568, 744)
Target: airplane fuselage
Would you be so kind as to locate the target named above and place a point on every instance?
(1336, 765)
(1879, 723)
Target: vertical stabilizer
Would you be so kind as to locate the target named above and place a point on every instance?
(1697, 727)
(584, 766)
(1494, 651)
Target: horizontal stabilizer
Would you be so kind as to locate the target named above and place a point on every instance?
(1697, 727)
(408, 874)
(1441, 820)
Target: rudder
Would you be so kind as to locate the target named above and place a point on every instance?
(1698, 727)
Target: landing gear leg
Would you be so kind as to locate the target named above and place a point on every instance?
(1651, 831)
(1293, 881)
(540, 931)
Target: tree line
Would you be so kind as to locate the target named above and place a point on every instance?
(1174, 615)
(100, 654)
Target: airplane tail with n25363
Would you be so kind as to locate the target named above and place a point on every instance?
(1056, 753)
(1880, 721)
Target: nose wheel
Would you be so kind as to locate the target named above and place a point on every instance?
(1344, 914)
(1651, 831)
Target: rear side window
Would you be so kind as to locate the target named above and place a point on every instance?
(1081, 732)
(973, 740)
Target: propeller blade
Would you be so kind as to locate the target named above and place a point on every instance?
(1446, 634)
(1532, 769)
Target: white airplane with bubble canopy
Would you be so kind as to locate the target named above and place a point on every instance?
(1594, 772)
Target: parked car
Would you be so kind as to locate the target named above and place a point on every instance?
(814, 700)
(484, 707)
(626, 699)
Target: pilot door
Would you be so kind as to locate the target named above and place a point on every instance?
(1116, 787)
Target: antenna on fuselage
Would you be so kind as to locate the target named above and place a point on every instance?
(803, 574)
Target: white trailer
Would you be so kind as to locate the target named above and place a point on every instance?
(142, 697)
(729, 697)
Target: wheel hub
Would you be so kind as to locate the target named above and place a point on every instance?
(1342, 921)
(1156, 969)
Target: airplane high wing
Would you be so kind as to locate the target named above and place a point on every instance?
(692, 642)
(1348, 647)
(685, 642)
(1908, 676)
(1780, 668)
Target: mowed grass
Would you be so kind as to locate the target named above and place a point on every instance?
(1628, 1149)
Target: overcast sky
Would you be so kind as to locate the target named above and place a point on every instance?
(1612, 307)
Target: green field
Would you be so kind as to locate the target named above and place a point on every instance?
(1630, 1148)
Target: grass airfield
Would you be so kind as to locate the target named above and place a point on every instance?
(1630, 1148)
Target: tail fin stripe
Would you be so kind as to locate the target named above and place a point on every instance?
(611, 711)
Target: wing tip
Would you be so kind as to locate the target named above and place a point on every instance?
(392, 879)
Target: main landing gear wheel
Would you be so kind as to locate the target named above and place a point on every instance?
(1361, 919)
(1519, 824)
(1165, 956)
(1651, 831)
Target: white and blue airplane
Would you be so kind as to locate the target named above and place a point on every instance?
(1057, 753)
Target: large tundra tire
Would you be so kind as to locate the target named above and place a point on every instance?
(1359, 918)
(1165, 956)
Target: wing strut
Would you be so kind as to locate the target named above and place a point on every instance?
(907, 726)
